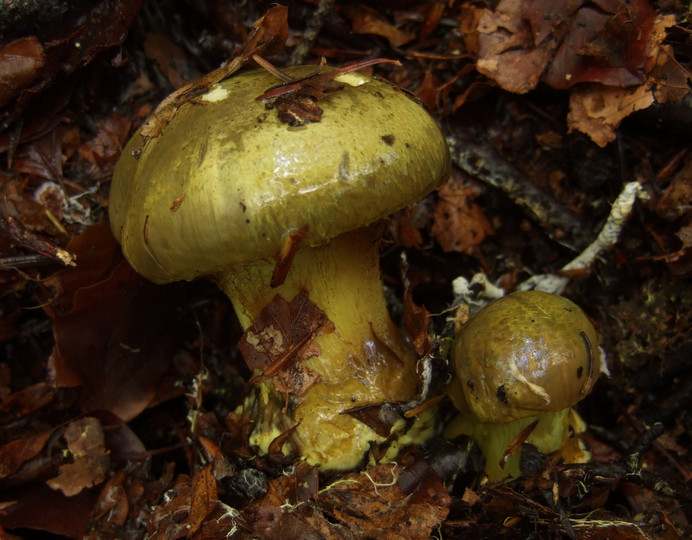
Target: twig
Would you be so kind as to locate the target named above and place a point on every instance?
(311, 32)
(18, 233)
(479, 159)
(606, 239)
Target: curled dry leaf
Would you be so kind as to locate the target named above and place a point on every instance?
(295, 99)
(616, 48)
(597, 110)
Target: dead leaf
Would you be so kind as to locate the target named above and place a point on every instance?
(40, 508)
(507, 50)
(104, 149)
(21, 62)
(416, 322)
(295, 99)
(286, 254)
(111, 508)
(25, 401)
(366, 20)
(114, 331)
(598, 110)
(379, 417)
(90, 460)
(100, 26)
(192, 510)
(204, 498)
(296, 380)
(172, 60)
(384, 501)
(460, 224)
(16, 453)
(279, 336)
(607, 47)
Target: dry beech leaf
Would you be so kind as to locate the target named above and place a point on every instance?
(597, 110)
(459, 223)
(366, 20)
(86, 447)
(21, 62)
(282, 334)
(103, 310)
(17, 452)
(565, 43)
(192, 510)
(384, 501)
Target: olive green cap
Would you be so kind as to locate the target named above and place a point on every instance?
(524, 354)
(226, 180)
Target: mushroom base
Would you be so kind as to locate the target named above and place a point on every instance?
(364, 361)
(556, 433)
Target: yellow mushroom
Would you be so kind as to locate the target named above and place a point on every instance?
(219, 190)
(526, 358)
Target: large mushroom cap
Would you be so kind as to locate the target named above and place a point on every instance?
(525, 354)
(226, 180)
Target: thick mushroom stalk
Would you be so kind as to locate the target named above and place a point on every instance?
(365, 360)
(521, 364)
(219, 190)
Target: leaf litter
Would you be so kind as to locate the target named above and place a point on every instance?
(72, 437)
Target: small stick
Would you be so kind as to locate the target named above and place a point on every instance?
(311, 32)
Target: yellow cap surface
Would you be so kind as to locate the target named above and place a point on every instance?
(226, 180)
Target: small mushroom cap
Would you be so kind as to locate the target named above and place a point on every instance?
(524, 354)
(226, 180)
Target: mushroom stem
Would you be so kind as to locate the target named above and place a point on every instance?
(365, 360)
(495, 439)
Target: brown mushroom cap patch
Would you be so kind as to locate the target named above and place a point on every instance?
(226, 180)
(525, 354)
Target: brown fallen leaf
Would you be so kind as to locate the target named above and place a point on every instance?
(90, 460)
(506, 50)
(192, 510)
(366, 20)
(295, 100)
(21, 62)
(115, 333)
(607, 45)
(111, 508)
(416, 322)
(204, 498)
(598, 110)
(284, 258)
(565, 43)
(280, 336)
(459, 223)
(16, 453)
(385, 501)
(676, 200)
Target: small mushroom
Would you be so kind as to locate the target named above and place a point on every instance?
(521, 364)
(221, 189)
